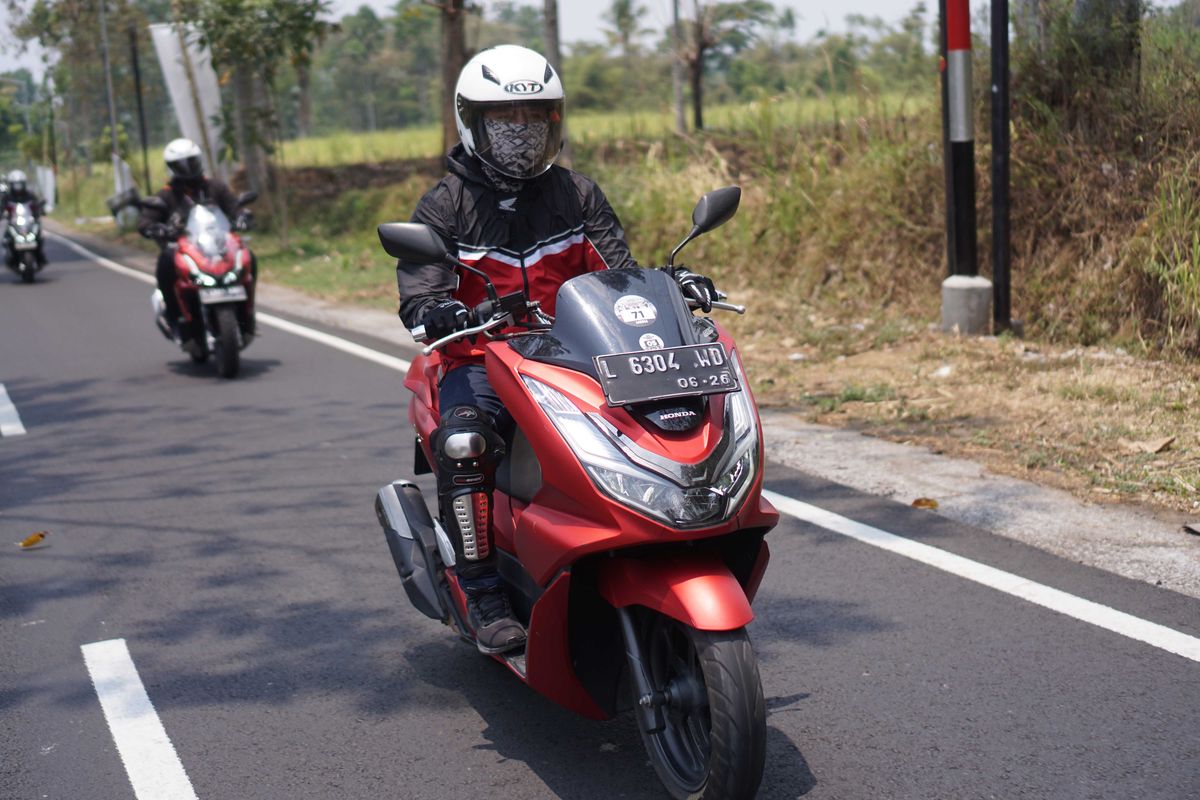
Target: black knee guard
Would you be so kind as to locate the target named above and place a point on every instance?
(467, 448)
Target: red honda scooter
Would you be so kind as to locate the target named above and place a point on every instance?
(628, 520)
(214, 286)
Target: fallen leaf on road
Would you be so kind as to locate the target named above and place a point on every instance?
(925, 502)
(1151, 446)
(32, 540)
(1192, 528)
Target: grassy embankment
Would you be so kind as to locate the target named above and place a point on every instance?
(838, 250)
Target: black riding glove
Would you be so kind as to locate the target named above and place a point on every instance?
(159, 231)
(444, 318)
(244, 221)
(695, 287)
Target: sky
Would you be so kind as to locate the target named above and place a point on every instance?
(580, 20)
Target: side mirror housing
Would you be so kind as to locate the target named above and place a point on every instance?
(246, 198)
(714, 209)
(153, 202)
(412, 241)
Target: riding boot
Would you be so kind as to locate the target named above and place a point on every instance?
(467, 448)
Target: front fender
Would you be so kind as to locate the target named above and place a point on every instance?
(696, 589)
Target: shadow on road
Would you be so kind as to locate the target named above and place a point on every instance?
(251, 368)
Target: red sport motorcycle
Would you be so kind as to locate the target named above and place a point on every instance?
(627, 521)
(214, 285)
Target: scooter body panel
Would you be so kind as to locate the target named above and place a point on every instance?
(696, 589)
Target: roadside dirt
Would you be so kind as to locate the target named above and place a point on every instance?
(1099, 423)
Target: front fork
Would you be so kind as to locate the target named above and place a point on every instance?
(650, 702)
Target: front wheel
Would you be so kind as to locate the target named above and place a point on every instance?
(227, 348)
(713, 743)
(28, 266)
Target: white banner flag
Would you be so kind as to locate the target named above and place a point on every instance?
(192, 84)
(46, 181)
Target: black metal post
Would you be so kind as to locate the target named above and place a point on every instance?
(1001, 250)
(137, 86)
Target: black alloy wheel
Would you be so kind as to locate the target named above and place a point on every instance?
(713, 745)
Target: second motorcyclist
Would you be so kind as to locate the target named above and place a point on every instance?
(506, 209)
(187, 187)
(18, 191)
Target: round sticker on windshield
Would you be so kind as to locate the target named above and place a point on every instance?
(651, 341)
(635, 310)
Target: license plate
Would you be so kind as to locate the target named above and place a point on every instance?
(688, 371)
(24, 245)
(222, 294)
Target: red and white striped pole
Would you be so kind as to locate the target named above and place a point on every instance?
(960, 137)
(966, 297)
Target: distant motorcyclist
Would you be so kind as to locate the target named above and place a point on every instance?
(18, 191)
(187, 187)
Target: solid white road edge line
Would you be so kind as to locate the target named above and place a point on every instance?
(10, 420)
(149, 757)
(1096, 614)
(337, 343)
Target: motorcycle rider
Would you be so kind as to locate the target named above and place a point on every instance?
(507, 209)
(18, 191)
(187, 187)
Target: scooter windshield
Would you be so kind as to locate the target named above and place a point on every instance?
(208, 228)
(22, 218)
(611, 311)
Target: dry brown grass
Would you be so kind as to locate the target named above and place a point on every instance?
(1097, 422)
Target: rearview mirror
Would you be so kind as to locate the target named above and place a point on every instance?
(713, 210)
(716, 208)
(154, 202)
(412, 241)
(246, 198)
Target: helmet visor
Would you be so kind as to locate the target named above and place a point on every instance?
(520, 139)
(190, 167)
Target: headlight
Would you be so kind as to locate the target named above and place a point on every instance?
(230, 277)
(200, 278)
(652, 492)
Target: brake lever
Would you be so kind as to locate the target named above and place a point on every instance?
(496, 322)
(717, 304)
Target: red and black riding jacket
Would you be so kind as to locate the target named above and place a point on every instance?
(557, 226)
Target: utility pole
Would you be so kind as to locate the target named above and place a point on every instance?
(677, 69)
(137, 86)
(108, 85)
(1001, 251)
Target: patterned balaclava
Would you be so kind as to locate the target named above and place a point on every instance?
(515, 147)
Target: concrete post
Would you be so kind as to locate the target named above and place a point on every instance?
(967, 305)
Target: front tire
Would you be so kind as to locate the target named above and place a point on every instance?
(28, 266)
(227, 349)
(713, 746)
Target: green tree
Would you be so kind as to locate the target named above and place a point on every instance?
(720, 29)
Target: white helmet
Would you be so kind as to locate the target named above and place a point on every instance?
(16, 181)
(184, 159)
(509, 110)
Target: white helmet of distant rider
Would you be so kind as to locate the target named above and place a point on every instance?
(16, 181)
(184, 159)
(509, 110)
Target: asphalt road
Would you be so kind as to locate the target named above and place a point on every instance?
(224, 530)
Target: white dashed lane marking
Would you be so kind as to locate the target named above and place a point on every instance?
(150, 760)
(10, 420)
